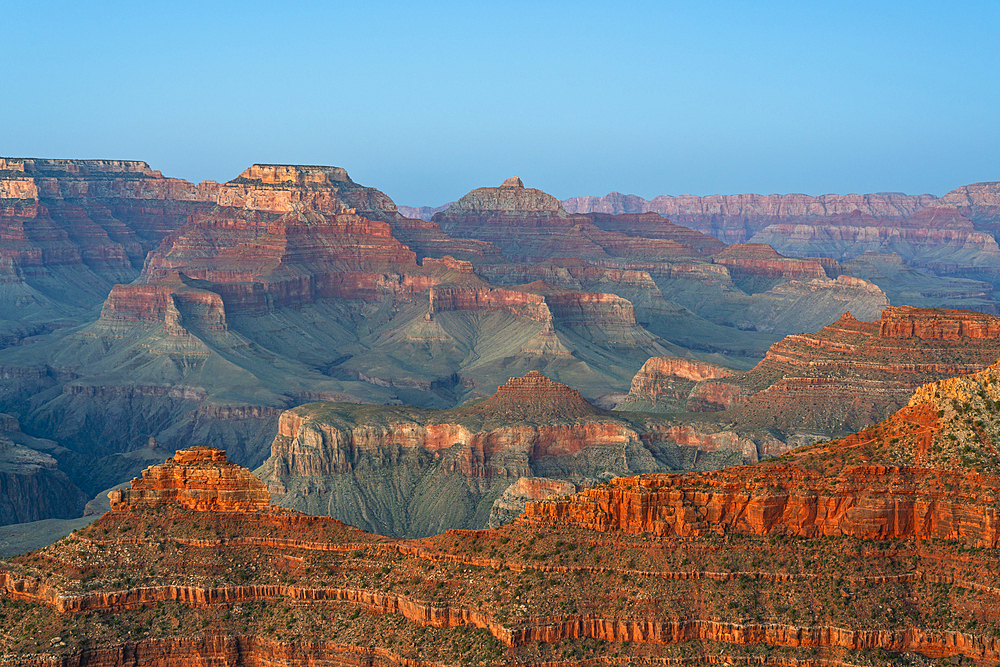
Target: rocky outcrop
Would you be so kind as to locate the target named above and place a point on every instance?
(979, 202)
(860, 551)
(915, 476)
(761, 260)
(676, 384)
(103, 215)
(535, 398)
(326, 456)
(32, 487)
(852, 373)
(200, 479)
(939, 324)
(510, 505)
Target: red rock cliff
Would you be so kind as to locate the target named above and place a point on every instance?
(198, 478)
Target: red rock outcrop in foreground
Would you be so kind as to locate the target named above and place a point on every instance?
(198, 478)
(643, 569)
(928, 472)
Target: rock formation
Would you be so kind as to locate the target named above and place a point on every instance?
(32, 488)
(844, 377)
(951, 236)
(880, 548)
(930, 471)
(736, 218)
(530, 226)
(388, 468)
(852, 373)
(675, 384)
(69, 229)
(905, 285)
(939, 238)
(198, 478)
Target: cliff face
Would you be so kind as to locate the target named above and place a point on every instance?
(979, 202)
(674, 384)
(387, 468)
(736, 218)
(939, 238)
(879, 548)
(954, 235)
(928, 472)
(70, 229)
(32, 488)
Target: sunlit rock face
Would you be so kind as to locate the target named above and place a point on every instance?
(199, 478)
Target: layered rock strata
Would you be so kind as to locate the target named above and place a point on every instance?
(876, 549)
(676, 384)
(736, 218)
(32, 488)
(387, 468)
(853, 373)
(530, 225)
(930, 471)
(70, 229)
(198, 478)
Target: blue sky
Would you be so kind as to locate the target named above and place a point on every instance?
(426, 101)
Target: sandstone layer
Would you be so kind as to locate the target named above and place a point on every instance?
(930, 471)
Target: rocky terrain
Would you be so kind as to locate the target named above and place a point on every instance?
(845, 377)
(876, 549)
(950, 236)
(70, 229)
(403, 471)
(148, 309)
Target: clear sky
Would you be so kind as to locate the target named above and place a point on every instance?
(426, 101)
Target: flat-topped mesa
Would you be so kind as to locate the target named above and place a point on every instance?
(303, 175)
(58, 179)
(938, 324)
(199, 478)
(535, 397)
(280, 188)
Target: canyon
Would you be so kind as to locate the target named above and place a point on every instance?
(145, 309)
(228, 303)
(402, 471)
(878, 548)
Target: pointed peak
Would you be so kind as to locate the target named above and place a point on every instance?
(512, 182)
